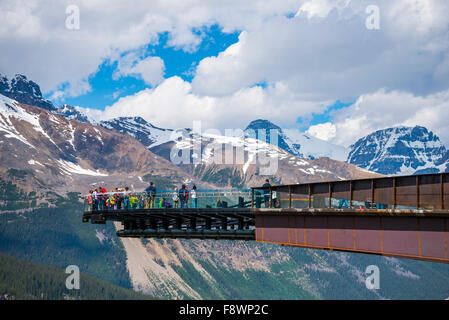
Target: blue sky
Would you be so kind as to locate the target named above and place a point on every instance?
(178, 62)
(326, 116)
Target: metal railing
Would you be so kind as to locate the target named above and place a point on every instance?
(167, 199)
(428, 192)
(416, 192)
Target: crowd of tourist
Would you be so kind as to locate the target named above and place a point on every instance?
(99, 199)
(122, 198)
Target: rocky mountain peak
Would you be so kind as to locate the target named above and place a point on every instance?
(262, 124)
(296, 142)
(137, 127)
(24, 91)
(399, 150)
(70, 112)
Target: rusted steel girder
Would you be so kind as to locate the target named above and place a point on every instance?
(397, 233)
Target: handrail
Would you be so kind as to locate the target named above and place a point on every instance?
(172, 191)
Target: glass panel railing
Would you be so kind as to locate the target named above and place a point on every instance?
(167, 199)
(281, 199)
(231, 198)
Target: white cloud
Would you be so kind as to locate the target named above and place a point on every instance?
(172, 104)
(328, 53)
(35, 41)
(383, 109)
(321, 8)
(150, 69)
(323, 131)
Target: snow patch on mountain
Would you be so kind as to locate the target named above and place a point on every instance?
(70, 167)
(34, 162)
(10, 108)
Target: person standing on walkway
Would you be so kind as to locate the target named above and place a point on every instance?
(126, 198)
(118, 199)
(89, 200)
(175, 198)
(183, 196)
(266, 193)
(151, 195)
(194, 197)
(95, 199)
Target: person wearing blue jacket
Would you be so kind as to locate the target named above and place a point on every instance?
(151, 195)
(183, 196)
(266, 193)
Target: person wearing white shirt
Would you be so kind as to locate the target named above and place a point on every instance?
(194, 197)
(175, 198)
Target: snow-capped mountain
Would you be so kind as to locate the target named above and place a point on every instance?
(24, 91)
(149, 135)
(241, 161)
(66, 142)
(298, 143)
(72, 113)
(290, 140)
(57, 153)
(400, 151)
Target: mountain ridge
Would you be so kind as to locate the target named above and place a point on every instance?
(65, 153)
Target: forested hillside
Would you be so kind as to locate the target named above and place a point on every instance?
(53, 234)
(23, 280)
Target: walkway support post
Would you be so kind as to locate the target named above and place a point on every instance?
(252, 197)
(290, 197)
(417, 193)
(310, 196)
(271, 197)
(350, 194)
(442, 191)
(394, 193)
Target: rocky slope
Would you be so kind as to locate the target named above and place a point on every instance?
(63, 154)
(207, 269)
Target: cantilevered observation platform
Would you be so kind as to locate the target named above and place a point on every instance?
(404, 216)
